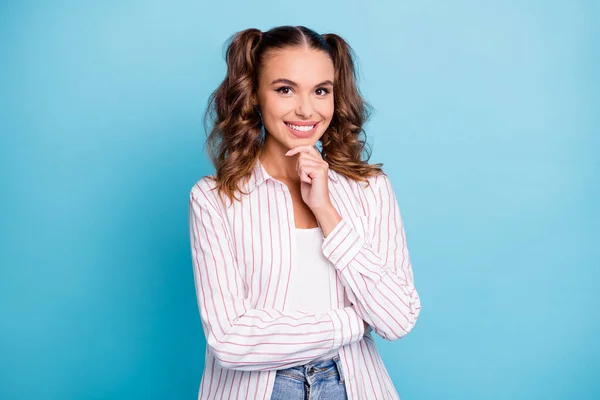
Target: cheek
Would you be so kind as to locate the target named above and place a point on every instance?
(276, 107)
(327, 109)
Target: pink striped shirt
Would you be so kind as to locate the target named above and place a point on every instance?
(243, 254)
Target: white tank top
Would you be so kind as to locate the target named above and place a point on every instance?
(309, 289)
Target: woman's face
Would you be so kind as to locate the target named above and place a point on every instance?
(295, 96)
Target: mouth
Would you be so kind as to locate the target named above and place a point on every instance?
(302, 131)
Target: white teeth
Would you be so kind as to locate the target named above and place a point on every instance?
(300, 128)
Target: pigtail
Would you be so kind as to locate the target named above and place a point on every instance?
(235, 139)
(342, 145)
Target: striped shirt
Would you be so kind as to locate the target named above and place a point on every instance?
(243, 254)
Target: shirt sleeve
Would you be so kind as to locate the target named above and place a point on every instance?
(378, 273)
(245, 338)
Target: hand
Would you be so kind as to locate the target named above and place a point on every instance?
(313, 172)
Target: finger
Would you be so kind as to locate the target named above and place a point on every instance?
(319, 165)
(305, 155)
(311, 168)
(311, 172)
(318, 162)
(308, 163)
(306, 148)
(304, 177)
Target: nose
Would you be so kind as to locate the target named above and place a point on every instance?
(304, 107)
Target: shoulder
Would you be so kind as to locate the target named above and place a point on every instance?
(373, 183)
(203, 191)
(365, 196)
(380, 191)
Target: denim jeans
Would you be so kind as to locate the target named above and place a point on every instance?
(315, 380)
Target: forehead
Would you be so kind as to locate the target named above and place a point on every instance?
(301, 65)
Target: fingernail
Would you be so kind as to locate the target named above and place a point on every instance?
(288, 153)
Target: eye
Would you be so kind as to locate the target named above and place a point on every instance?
(326, 91)
(283, 89)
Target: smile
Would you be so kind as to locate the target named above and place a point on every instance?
(302, 131)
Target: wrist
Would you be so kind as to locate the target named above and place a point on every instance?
(328, 218)
(323, 209)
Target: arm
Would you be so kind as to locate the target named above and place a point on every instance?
(245, 338)
(378, 274)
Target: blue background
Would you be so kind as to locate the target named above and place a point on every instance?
(486, 120)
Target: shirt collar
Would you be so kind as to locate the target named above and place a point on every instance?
(260, 175)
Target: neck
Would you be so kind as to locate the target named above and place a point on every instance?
(277, 164)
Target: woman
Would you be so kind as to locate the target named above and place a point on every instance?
(292, 275)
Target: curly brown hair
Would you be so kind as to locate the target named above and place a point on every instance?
(236, 138)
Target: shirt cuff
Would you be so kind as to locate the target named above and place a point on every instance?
(342, 244)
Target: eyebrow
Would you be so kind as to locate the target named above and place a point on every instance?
(292, 83)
